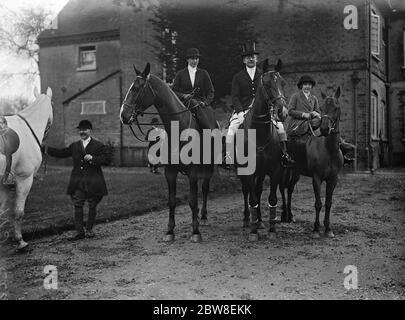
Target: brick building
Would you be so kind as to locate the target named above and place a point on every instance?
(355, 44)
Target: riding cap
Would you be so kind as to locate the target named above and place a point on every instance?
(304, 79)
(85, 124)
(248, 49)
(192, 52)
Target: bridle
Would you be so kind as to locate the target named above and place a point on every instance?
(270, 102)
(331, 121)
(136, 110)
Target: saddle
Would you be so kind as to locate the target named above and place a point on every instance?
(9, 143)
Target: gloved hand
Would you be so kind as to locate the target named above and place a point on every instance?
(306, 115)
(187, 96)
(315, 114)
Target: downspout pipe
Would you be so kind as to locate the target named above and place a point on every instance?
(355, 80)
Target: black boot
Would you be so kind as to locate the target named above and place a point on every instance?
(287, 161)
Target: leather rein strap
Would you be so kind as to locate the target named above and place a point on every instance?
(32, 131)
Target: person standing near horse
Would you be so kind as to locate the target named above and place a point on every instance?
(192, 82)
(87, 180)
(305, 114)
(244, 88)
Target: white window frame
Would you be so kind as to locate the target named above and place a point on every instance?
(374, 116)
(82, 49)
(378, 40)
(86, 103)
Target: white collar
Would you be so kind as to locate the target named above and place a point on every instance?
(191, 69)
(251, 71)
(306, 94)
(86, 142)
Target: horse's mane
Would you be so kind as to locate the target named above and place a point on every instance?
(167, 87)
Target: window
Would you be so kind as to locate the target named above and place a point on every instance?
(375, 35)
(382, 121)
(374, 115)
(93, 107)
(87, 58)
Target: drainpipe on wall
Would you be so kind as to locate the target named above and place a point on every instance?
(355, 79)
(369, 67)
(121, 126)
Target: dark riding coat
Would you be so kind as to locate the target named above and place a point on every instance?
(182, 85)
(87, 175)
(244, 89)
(299, 104)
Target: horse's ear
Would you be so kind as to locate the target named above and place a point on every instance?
(265, 65)
(136, 70)
(323, 95)
(36, 92)
(49, 92)
(146, 71)
(279, 65)
(337, 93)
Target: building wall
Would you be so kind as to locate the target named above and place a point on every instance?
(58, 66)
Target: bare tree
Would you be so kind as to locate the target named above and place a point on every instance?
(19, 32)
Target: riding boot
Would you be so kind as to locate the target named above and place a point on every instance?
(79, 233)
(286, 159)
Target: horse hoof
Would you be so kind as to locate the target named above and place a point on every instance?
(204, 222)
(253, 237)
(316, 235)
(272, 235)
(196, 238)
(246, 224)
(260, 225)
(329, 234)
(168, 238)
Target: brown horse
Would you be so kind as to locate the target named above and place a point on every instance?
(319, 158)
(269, 103)
(148, 90)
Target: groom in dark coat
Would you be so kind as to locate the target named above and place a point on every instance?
(87, 180)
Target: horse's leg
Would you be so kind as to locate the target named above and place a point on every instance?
(290, 191)
(193, 202)
(171, 176)
(22, 189)
(282, 187)
(246, 212)
(259, 191)
(205, 191)
(330, 187)
(272, 202)
(254, 204)
(316, 183)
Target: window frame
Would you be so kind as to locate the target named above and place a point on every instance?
(378, 40)
(81, 49)
(374, 116)
(83, 103)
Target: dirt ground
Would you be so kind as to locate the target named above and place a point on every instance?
(129, 260)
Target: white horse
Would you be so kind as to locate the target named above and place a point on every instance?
(30, 124)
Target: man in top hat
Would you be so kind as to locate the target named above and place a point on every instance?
(192, 82)
(244, 87)
(304, 106)
(87, 180)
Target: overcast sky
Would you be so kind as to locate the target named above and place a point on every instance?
(19, 85)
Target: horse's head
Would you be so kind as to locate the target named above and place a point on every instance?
(330, 114)
(139, 97)
(273, 89)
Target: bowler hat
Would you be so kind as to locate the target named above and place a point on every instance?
(248, 49)
(85, 124)
(192, 52)
(304, 79)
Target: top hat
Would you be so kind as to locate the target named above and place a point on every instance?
(85, 124)
(192, 52)
(248, 49)
(304, 79)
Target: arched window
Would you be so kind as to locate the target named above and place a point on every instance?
(382, 121)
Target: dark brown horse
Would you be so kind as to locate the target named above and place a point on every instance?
(148, 90)
(319, 158)
(269, 103)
